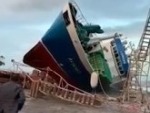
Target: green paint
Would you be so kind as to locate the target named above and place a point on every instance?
(100, 65)
(96, 59)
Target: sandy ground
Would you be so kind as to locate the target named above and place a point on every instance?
(55, 105)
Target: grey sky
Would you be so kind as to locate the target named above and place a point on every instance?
(24, 22)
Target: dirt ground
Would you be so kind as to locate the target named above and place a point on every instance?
(55, 105)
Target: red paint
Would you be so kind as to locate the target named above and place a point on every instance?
(38, 57)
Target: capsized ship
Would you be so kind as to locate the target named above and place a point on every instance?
(68, 49)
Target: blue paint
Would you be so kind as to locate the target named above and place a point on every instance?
(122, 55)
(58, 42)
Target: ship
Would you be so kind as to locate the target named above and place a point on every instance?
(70, 48)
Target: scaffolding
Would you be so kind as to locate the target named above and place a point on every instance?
(136, 86)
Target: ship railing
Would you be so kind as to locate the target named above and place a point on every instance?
(62, 80)
(68, 93)
(73, 94)
(80, 17)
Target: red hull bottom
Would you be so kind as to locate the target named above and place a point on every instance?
(39, 58)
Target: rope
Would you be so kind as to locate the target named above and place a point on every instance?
(103, 88)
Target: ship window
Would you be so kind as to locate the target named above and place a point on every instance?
(112, 43)
(121, 72)
(66, 18)
(89, 48)
(95, 45)
(118, 63)
(116, 55)
(120, 68)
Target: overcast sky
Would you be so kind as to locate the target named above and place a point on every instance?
(24, 22)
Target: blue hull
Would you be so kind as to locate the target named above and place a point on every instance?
(59, 44)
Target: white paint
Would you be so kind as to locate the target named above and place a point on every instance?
(94, 80)
(76, 42)
(124, 42)
(109, 57)
(94, 48)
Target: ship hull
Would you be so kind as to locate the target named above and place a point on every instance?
(56, 50)
(61, 50)
(40, 58)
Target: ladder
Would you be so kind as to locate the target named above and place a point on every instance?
(67, 92)
(144, 43)
(68, 95)
(137, 59)
(62, 90)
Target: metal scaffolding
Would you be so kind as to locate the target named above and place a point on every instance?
(136, 85)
